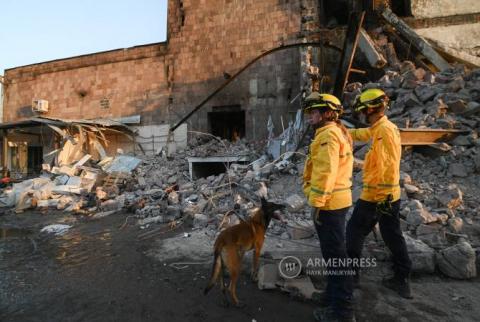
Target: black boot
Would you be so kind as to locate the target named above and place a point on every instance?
(356, 280)
(399, 285)
(321, 299)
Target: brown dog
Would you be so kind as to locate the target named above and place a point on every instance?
(233, 242)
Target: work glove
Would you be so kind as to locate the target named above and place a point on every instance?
(385, 207)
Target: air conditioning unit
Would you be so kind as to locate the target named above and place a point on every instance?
(40, 106)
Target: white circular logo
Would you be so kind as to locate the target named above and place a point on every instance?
(290, 267)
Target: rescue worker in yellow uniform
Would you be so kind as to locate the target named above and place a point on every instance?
(327, 187)
(380, 197)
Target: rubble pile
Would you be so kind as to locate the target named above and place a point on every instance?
(439, 182)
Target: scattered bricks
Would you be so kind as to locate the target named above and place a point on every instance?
(458, 170)
(425, 93)
(451, 198)
(421, 255)
(268, 277)
(458, 261)
(295, 202)
(455, 225)
(457, 106)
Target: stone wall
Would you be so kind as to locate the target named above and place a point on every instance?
(443, 8)
(207, 41)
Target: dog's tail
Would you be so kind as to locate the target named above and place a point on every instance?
(216, 271)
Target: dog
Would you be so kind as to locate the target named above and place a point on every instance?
(232, 243)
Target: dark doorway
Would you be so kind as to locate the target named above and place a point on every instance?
(401, 8)
(35, 159)
(227, 122)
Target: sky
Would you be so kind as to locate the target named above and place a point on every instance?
(34, 31)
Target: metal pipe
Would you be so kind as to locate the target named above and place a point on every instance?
(228, 81)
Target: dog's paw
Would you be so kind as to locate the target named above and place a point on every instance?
(240, 305)
(225, 303)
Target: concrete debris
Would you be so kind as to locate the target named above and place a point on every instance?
(455, 225)
(451, 198)
(295, 202)
(268, 277)
(418, 214)
(57, 229)
(433, 235)
(421, 255)
(458, 261)
(301, 287)
(300, 231)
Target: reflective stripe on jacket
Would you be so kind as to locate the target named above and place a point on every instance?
(327, 176)
(381, 170)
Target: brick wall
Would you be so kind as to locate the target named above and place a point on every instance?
(162, 82)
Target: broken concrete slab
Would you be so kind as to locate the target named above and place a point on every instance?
(433, 235)
(421, 255)
(458, 170)
(295, 202)
(57, 229)
(121, 164)
(458, 261)
(66, 189)
(299, 287)
(268, 277)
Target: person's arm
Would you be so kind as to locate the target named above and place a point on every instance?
(362, 135)
(325, 159)
(388, 163)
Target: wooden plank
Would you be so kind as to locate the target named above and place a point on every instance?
(349, 48)
(428, 136)
(367, 46)
(417, 41)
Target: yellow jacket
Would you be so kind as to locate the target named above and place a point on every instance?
(327, 177)
(381, 170)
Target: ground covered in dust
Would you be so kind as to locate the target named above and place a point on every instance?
(99, 272)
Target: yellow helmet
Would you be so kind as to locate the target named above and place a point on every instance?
(373, 97)
(318, 101)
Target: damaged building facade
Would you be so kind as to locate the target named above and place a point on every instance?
(151, 87)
